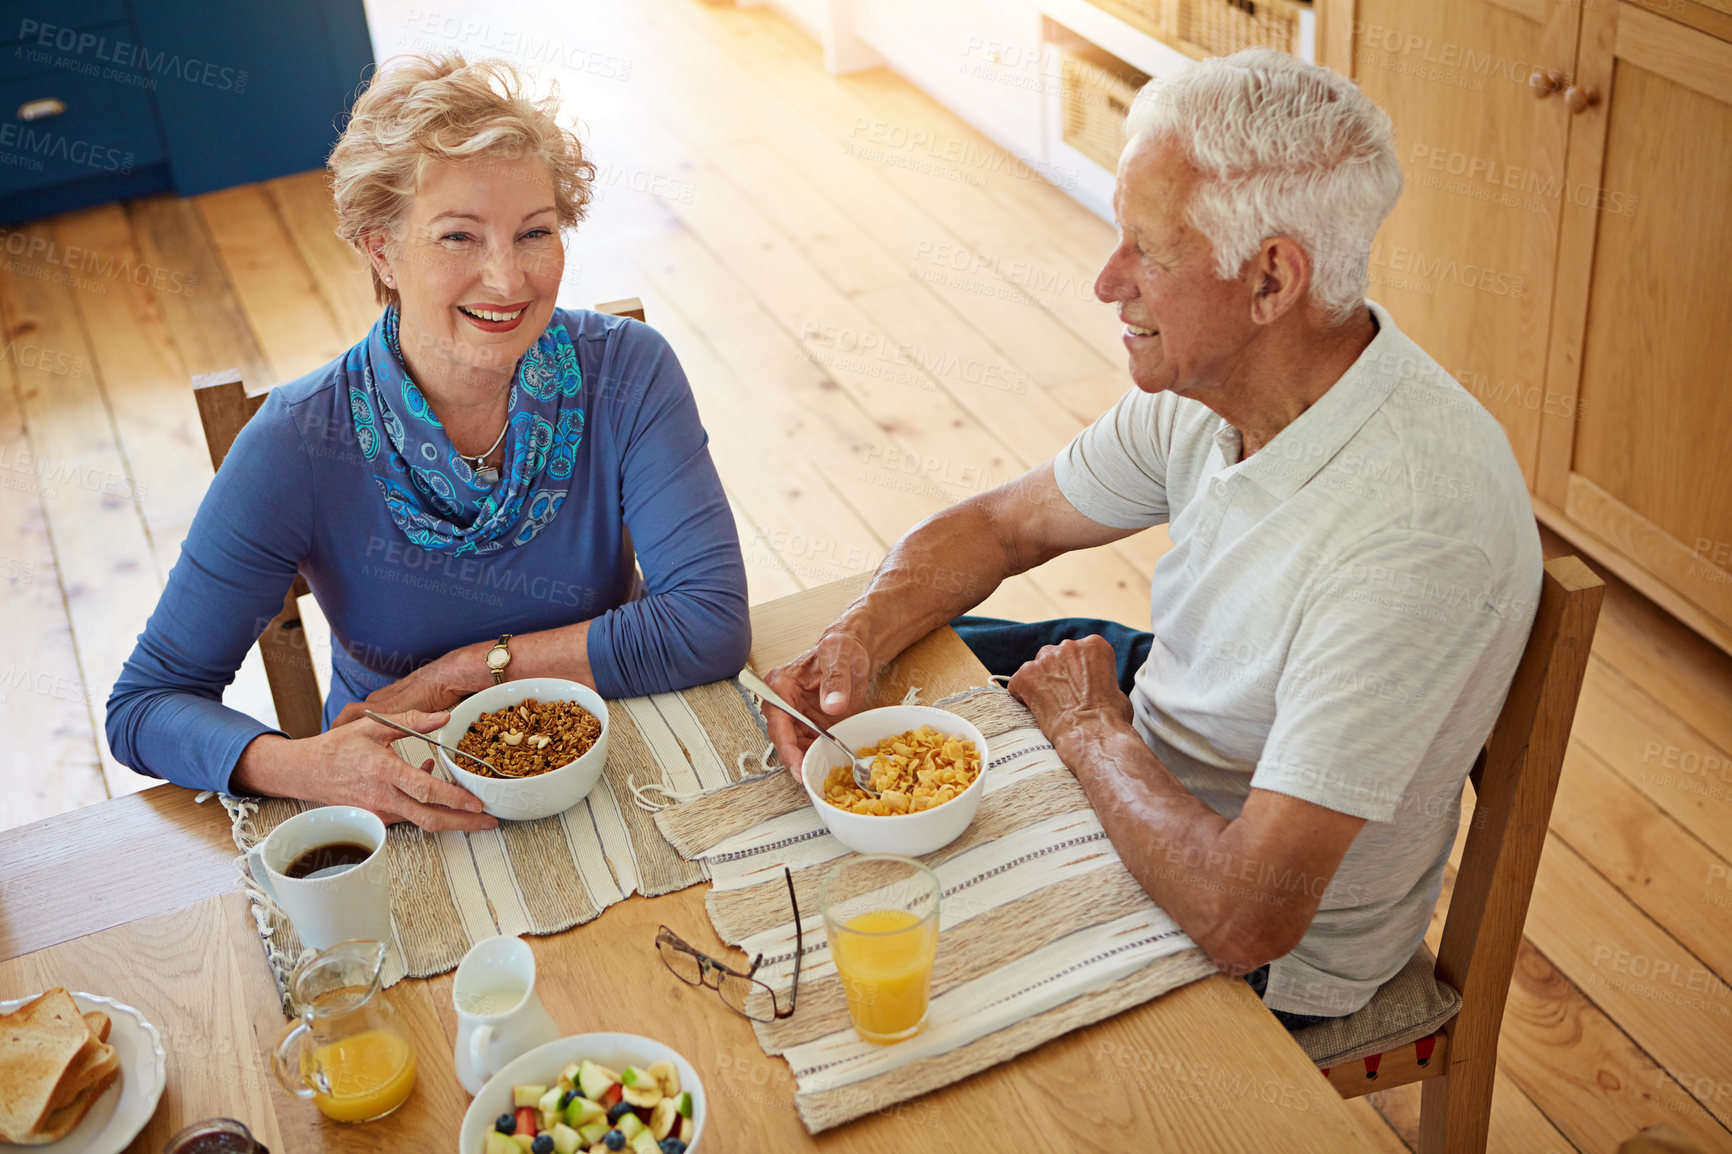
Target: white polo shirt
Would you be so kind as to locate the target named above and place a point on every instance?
(1338, 620)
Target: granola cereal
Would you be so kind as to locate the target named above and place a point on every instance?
(913, 771)
(530, 738)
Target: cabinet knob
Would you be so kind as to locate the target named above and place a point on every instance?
(1544, 81)
(1579, 100)
(41, 109)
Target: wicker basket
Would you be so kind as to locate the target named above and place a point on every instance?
(1098, 91)
(1151, 16)
(1220, 27)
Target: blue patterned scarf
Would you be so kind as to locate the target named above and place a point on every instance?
(434, 496)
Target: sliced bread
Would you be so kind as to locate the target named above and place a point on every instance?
(61, 1122)
(40, 1042)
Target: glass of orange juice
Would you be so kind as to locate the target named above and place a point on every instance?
(881, 916)
(346, 1051)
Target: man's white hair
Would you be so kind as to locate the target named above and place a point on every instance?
(1285, 148)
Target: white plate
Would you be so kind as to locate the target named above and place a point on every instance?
(541, 1066)
(117, 1117)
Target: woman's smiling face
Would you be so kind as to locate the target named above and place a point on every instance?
(478, 267)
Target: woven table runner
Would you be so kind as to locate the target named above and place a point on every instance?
(450, 890)
(1042, 928)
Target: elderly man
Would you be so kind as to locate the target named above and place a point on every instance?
(1354, 572)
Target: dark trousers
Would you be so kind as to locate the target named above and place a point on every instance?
(1003, 647)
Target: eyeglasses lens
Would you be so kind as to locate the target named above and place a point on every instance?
(684, 964)
(747, 996)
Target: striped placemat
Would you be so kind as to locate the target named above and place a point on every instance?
(1042, 928)
(450, 890)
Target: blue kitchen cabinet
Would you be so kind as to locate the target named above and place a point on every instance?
(103, 99)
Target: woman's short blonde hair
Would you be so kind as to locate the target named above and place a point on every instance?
(420, 110)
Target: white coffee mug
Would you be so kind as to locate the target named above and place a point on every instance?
(355, 903)
(499, 1017)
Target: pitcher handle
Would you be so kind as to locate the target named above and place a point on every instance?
(289, 1046)
(479, 1040)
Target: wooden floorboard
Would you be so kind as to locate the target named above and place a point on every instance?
(272, 284)
(54, 765)
(839, 315)
(101, 552)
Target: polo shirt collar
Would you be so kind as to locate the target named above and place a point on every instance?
(1298, 452)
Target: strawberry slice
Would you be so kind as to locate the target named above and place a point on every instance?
(613, 1094)
(526, 1120)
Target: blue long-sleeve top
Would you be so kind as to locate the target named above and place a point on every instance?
(295, 493)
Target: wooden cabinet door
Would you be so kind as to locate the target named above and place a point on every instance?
(1640, 472)
(1464, 263)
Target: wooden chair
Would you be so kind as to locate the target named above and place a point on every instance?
(225, 404)
(1514, 779)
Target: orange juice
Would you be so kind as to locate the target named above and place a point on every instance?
(369, 1075)
(884, 958)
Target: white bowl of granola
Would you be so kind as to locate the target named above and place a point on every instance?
(547, 792)
(913, 833)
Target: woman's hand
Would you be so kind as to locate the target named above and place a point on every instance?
(353, 764)
(826, 683)
(433, 688)
(1073, 689)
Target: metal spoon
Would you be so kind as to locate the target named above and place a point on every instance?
(448, 749)
(862, 767)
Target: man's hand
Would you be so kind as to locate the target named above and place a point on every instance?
(827, 683)
(434, 687)
(1073, 687)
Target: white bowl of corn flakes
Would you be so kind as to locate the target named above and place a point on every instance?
(928, 766)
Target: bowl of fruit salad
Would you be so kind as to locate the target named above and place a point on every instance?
(614, 1093)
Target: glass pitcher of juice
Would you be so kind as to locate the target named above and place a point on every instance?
(346, 1051)
(881, 916)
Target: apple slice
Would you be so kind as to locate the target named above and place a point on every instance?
(593, 1079)
(641, 1088)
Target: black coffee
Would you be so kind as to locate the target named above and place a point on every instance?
(324, 861)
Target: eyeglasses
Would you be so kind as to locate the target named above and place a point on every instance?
(696, 968)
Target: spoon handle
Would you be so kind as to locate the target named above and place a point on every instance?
(756, 684)
(404, 729)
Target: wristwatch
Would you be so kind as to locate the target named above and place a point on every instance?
(498, 658)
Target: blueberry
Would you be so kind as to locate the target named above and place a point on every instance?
(673, 1146)
(613, 1140)
(565, 1098)
(543, 1144)
(617, 1111)
(507, 1124)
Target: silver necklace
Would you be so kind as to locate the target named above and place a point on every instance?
(484, 472)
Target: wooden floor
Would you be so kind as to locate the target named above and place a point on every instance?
(873, 332)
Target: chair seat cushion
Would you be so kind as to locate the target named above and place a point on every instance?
(1409, 1006)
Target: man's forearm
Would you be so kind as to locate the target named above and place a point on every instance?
(943, 567)
(1181, 851)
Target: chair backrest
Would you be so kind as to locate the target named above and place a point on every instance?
(225, 405)
(1515, 780)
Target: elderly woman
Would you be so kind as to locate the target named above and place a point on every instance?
(466, 490)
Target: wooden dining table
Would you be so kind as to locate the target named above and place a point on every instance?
(136, 899)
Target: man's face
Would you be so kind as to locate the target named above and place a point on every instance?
(1184, 326)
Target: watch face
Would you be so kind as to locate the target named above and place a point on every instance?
(497, 657)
